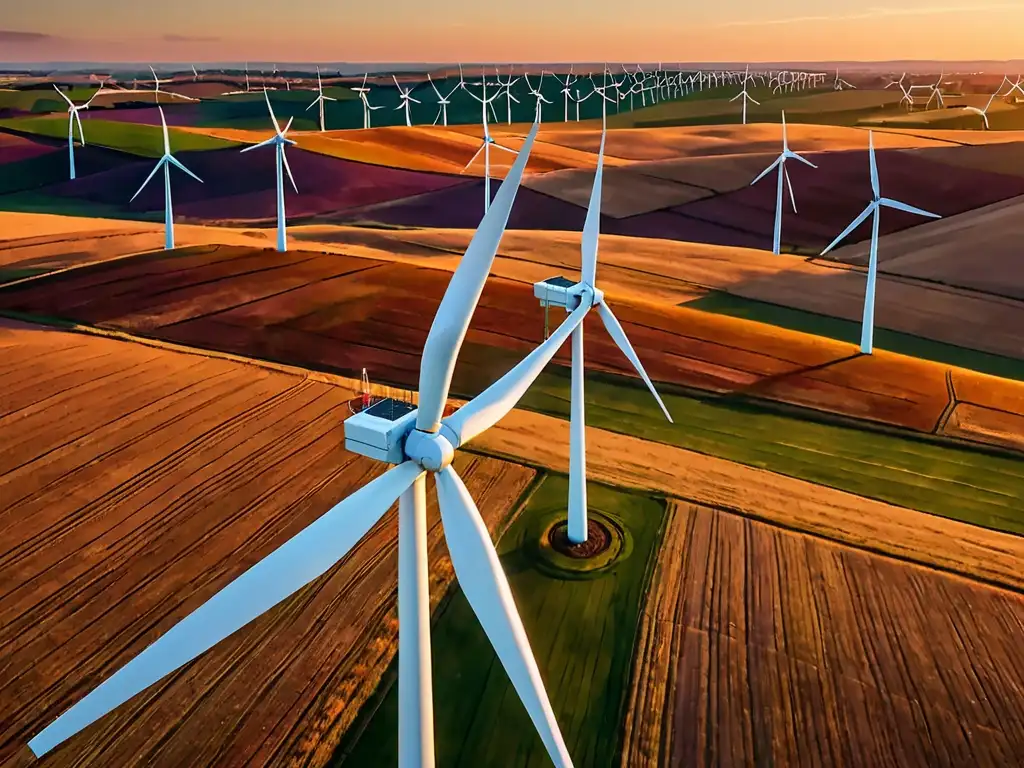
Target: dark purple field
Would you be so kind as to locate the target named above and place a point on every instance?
(14, 149)
(242, 186)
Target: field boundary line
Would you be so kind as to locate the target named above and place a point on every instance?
(947, 412)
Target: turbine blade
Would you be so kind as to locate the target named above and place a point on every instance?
(804, 160)
(888, 203)
(874, 165)
(288, 170)
(767, 170)
(266, 143)
(63, 95)
(611, 323)
(152, 173)
(460, 298)
(177, 164)
(853, 225)
(277, 126)
(490, 406)
(283, 572)
(592, 224)
(475, 156)
(789, 184)
(167, 138)
(486, 588)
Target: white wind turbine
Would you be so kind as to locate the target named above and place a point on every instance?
(367, 109)
(509, 98)
(485, 147)
(1014, 86)
(73, 119)
(538, 94)
(320, 99)
(238, 93)
(841, 84)
(442, 101)
(936, 93)
(279, 140)
(165, 162)
(984, 112)
(745, 96)
(780, 162)
(423, 441)
(579, 299)
(157, 91)
(867, 329)
(406, 96)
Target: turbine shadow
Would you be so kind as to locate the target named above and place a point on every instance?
(765, 383)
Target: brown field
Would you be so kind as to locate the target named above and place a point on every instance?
(979, 249)
(761, 646)
(994, 158)
(134, 483)
(975, 422)
(345, 313)
(425, 148)
(629, 462)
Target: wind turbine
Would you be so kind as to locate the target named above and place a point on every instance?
(157, 91)
(406, 96)
(867, 329)
(841, 84)
(744, 95)
(320, 99)
(485, 147)
(936, 93)
(442, 101)
(279, 140)
(984, 112)
(787, 154)
(74, 118)
(509, 98)
(538, 94)
(165, 162)
(362, 91)
(579, 299)
(424, 441)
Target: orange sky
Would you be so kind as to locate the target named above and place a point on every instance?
(453, 30)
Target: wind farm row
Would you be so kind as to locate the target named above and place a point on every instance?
(324, 459)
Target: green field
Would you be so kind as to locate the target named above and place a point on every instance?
(582, 632)
(43, 99)
(943, 479)
(721, 303)
(143, 140)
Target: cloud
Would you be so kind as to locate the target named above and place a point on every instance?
(876, 13)
(188, 39)
(24, 38)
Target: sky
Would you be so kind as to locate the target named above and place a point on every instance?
(309, 31)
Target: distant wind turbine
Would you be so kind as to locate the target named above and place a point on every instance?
(166, 162)
(320, 99)
(367, 109)
(485, 147)
(157, 91)
(406, 96)
(442, 101)
(744, 95)
(984, 112)
(279, 140)
(73, 118)
(538, 94)
(867, 329)
(787, 154)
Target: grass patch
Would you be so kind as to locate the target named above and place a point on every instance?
(956, 482)
(582, 633)
(721, 303)
(143, 140)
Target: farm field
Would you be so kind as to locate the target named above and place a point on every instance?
(107, 541)
(631, 462)
(760, 644)
(937, 252)
(263, 304)
(581, 629)
(134, 139)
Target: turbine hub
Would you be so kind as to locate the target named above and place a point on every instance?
(431, 450)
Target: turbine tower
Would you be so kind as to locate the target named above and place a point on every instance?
(320, 99)
(579, 299)
(165, 162)
(485, 147)
(744, 95)
(73, 119)
(780, 163)
(406, 96)
(279, 140)
(422, 441)
(867, 329)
